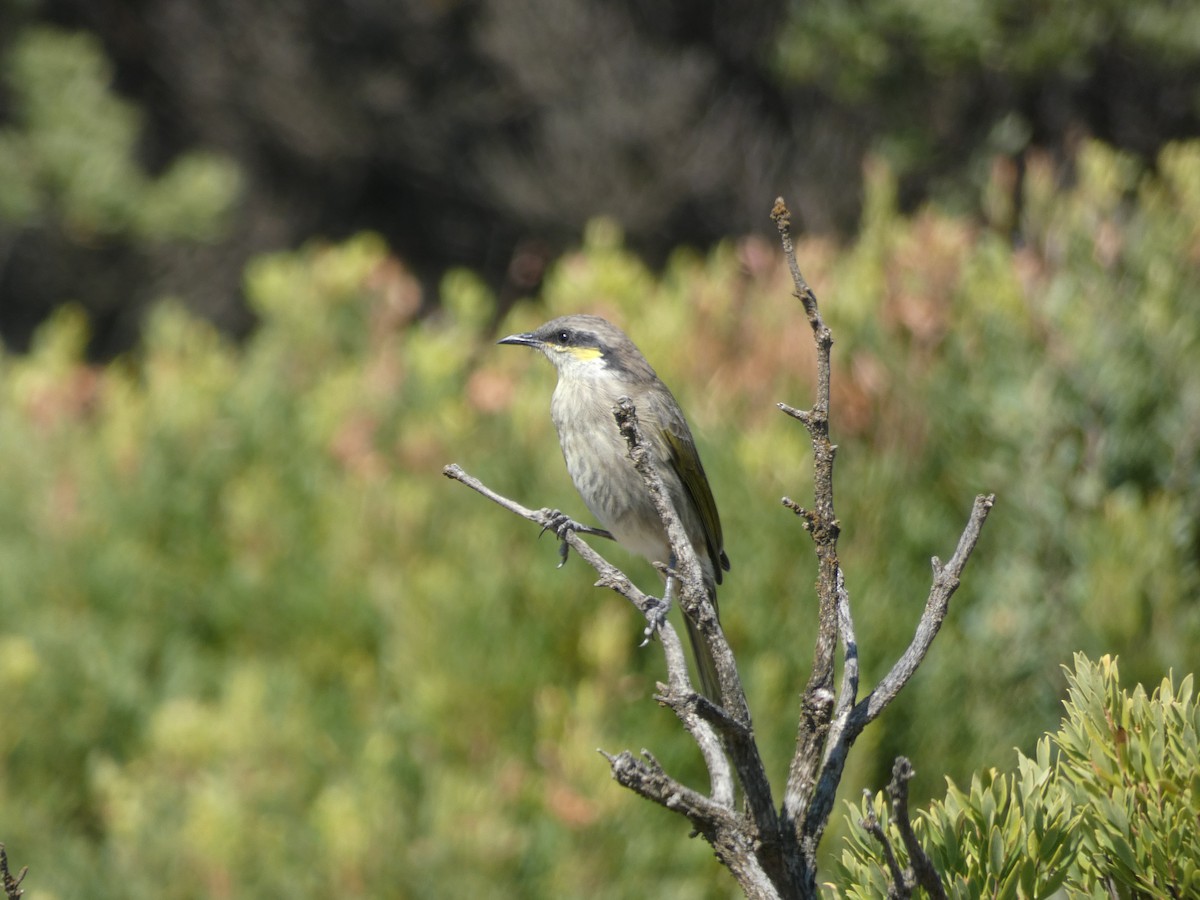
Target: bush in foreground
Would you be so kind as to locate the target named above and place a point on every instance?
(1107, 807)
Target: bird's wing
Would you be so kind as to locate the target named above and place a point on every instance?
(687, 463)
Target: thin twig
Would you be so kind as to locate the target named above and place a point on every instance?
(782, 218)
(945, 583)
(12, 886)
(544, 516)
(817, 703)
(921, 867)
(610, 576)
(898, 888)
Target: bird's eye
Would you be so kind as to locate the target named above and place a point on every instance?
(564, 337)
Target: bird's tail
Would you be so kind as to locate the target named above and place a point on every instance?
(706, 666)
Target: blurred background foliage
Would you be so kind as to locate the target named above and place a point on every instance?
(253, 643)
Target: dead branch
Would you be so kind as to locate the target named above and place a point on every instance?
(12, 886)
(920, 869)
(697, 725)
(771, 853)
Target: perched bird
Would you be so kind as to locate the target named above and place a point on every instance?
(597, 364)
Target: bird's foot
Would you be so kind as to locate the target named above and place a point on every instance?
(656, 617)
(560, 523)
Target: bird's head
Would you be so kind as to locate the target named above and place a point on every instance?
(583, 346)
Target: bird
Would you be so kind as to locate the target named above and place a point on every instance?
(597, 365)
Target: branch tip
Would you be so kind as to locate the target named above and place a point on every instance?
(921, 870)
(803, 415)
(780, 215)
(11, 886)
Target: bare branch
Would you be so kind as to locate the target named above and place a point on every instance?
(614, 579)
(921, 870)
(693, 596)
(610, 576)
(12, 886)
(678, 696)
(945, 583)
(720, 826)
(697, 605)
(898, 888)
(817, 704)
(646, 777)
(544, 517)
(826, 730)
(849, 693)
(849, 722)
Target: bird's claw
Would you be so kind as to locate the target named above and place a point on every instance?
(560, 523)
(656, 617)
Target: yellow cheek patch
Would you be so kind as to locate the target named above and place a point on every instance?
(584, 353)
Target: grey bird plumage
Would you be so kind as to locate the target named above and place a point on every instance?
(597, 364)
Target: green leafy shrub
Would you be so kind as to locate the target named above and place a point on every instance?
(1108, 806)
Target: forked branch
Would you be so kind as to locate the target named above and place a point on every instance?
(678, 682)
(827, 728)
(920, 871)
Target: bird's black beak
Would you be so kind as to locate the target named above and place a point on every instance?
(524, 340)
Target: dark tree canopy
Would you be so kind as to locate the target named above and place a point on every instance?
(486, 134)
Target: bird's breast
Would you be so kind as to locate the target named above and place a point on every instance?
(597, 458)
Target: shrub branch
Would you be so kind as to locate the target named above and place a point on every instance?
(12, 886)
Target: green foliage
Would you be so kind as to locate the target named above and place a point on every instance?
(1133, 765)
(1108, 807)
(69, 158)
(253, 643)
